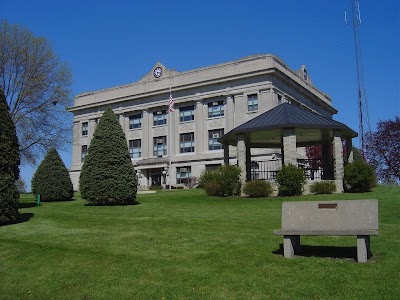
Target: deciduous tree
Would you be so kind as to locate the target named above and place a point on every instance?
(36, 85)
(383, 150)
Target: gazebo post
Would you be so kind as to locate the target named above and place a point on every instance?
(226, 153)
(349, 150)
(289, 146)
(338, 157)
(241, 157)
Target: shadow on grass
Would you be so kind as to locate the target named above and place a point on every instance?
(27, 205)
(324, 251)
(23, 217)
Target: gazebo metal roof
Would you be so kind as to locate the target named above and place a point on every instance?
(266, 129)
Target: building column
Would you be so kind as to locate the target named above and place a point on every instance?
(121, 118)
(241, 157)
(76, 149)
(230, 113)
(199, 133)
(338, 157)
(289, 146)
(146, 135)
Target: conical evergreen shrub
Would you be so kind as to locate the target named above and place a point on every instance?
(51, 179)
(108, 176)
(9, 165)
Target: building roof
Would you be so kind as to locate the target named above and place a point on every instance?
(288, 116)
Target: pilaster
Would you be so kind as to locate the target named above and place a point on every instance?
(230, 113)
(200, 125)
(76, 149)
(146, 146)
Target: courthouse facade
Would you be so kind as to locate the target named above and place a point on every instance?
(167, 148)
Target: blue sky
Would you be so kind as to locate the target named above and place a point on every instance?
(109, 43)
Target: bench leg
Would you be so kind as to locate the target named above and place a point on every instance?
(291, 245)
(363, 248)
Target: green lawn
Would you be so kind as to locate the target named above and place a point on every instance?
(185, 245)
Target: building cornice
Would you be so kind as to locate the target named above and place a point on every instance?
(148, 86)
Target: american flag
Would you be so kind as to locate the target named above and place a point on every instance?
(171, 103)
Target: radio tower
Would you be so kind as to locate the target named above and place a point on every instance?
(364, 125)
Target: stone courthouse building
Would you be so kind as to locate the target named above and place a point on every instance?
(209, 102)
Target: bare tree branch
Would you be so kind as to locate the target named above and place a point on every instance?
(37, 88)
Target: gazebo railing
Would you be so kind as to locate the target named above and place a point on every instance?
(265, 170)
(317, 169)
(314, 169)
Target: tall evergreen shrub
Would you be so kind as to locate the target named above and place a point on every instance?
(51, 179)
(9, 165)
(108, 176)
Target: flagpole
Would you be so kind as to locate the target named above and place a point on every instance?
(169, 141)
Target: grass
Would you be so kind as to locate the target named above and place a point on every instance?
(185, 245)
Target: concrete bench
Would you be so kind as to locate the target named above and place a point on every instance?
(329, 218)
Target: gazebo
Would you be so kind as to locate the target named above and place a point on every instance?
(288, 127)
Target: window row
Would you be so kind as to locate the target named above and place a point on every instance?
(186, 144)
(186, 114)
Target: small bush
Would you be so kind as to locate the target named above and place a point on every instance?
(156, 187)
(227, 178)
(359, 177)
(212, 188)
(257, 188)
(290, 180)
(323, 187)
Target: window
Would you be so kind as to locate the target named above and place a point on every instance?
(279, 99)
(183, 173)
(252, 103)
(186, 142)
(212, 167)
(83, 152)
(160, 117)
(160, 146)
(135, 148)
(213, 136)
(135, 121)
(215, 109)
(186, 113)
(85, 128)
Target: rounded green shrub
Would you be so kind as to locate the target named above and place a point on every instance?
(212, 188)
(323, 187)
(257, 189)
(9, 165)
(228, 179)
(108, 176)
(51, 179)
(291, 180)
(359, 177)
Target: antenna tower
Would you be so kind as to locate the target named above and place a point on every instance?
(364, 124)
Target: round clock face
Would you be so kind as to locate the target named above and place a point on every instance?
(157, 72)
